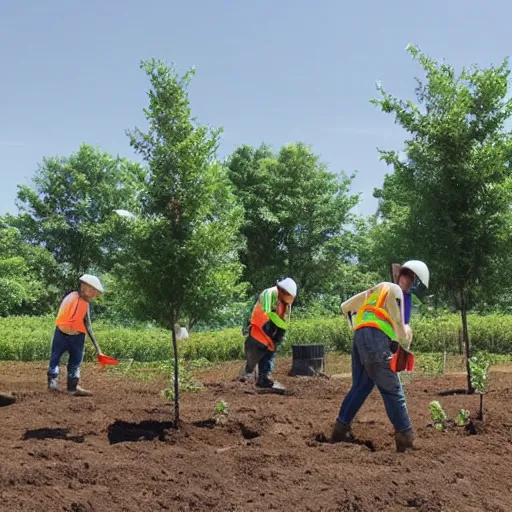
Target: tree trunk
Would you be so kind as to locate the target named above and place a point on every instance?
(465, 338)
(481, 411)
(176, 377)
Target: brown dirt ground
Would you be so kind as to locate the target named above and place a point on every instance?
(60, 453)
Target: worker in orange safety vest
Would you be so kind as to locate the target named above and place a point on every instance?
(267, 327)
(72, 324)
(378, 319)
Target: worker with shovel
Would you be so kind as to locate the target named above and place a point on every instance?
(378, 317)
(268, 325)
(72, 324)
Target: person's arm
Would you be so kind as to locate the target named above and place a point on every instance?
(353, 304)
(91, 333)
(266, 301)
(395, 304)
(397, 314)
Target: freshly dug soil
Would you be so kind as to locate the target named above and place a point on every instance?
(119, 450)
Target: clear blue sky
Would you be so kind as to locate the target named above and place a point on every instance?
(275, 71)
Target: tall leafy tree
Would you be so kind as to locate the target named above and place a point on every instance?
(181, 261)
(69, 208)
(297, 215)
(28, 276)
(448, 200)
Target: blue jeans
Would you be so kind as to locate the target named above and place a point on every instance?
(74, 344)
(371, 352)
(267, 363)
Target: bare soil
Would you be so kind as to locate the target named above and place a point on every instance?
(119, 451)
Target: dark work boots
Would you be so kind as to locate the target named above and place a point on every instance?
(341, 432)
(404, 440)
(75, 389)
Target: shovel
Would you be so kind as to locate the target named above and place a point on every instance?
(104, 360)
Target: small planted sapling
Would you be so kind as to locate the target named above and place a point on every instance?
(220, 412)
(438, 415)
(462, 418)
(479, 366)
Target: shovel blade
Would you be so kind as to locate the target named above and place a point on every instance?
(104, 360)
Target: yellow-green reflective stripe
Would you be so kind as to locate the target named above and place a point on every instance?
(276, 319)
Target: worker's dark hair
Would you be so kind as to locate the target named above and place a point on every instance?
(407, 272)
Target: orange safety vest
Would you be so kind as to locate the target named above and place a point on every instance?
(268, 309)
(258, 320)
(372, 313)
(72, 312)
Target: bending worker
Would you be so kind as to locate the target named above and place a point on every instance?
(73, 322)
(378, 317)
(268, 325)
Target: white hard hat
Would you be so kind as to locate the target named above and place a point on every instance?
(419, 268)
(288, 285)
(92, 281)
(125, 213)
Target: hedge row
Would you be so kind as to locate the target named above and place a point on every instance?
(29, 338)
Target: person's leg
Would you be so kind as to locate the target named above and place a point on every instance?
(59, 346)
(362, 386)
(265, 366)
(76, 355)
(254, 351)
(272, 358)
(391, 390)
(393, 395)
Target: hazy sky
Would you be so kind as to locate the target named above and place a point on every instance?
(267, 71)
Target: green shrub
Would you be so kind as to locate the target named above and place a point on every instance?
(29, 338)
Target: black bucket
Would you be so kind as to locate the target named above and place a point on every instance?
(308, 360)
